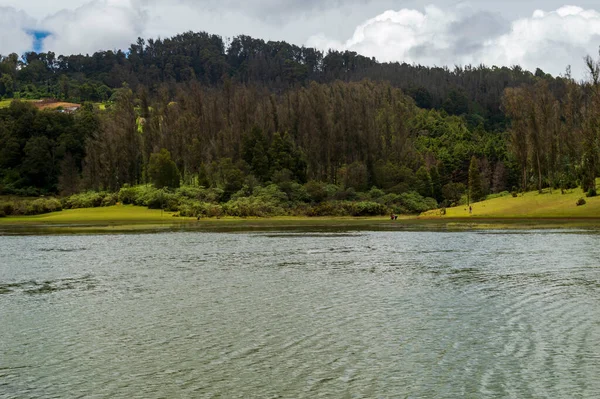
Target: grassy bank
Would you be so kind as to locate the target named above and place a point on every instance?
(137, 219)
(531, 205)
(116, 214)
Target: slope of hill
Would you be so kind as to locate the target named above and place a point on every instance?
(549, 204)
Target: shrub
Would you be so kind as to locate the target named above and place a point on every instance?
(376, 193)
(412, 202)
(8, 208)
(514, 194)
(90, 199)
(581, 202)
(42, 205)
(316, 190)
(2, 214)
(252, 206)
(127, 195)
(160, 199)
(368, 208)
(195, 193)
(591, 193)
(110, 199)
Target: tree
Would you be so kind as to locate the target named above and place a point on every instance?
(69, 179)
(424, 183)
(436, 182)
(6, 86)
(162, 170)
(475, 186)
(453, 192)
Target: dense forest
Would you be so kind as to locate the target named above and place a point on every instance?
(244, 116)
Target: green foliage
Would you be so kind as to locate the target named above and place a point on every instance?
(424, 182)
(89, 199)
(475, 188)
(453, 192)
(591, 193)
(376, 193)
(316, 190)
(348, 208)
(581, 202)
(30, 207)
(354, 176)
(498, 195)
(162, 170)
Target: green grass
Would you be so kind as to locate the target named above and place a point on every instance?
(5, 103)
(531, 210)
(531, 205)
(111, 214)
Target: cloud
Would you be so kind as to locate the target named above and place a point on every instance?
(99, 24)
(434, 35)
(14, 36)
(549, 40)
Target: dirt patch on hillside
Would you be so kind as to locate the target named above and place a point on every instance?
(54, 104)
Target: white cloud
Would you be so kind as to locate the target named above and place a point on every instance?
(13, 34)
(549, 40)
(99, 24)
(434, 35)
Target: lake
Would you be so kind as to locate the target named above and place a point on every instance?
(301, 315)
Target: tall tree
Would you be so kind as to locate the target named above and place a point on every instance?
(475, 187)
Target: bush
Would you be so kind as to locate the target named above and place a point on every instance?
(252, 206)
(90, 199)
(591, 193)
(316, 190)
(514, 194)
(8, 208)
(368, 208)
(581, 202)
(348, 208)
(128, 195)
(42, 205)
(110, 199)
(2, 214)
(376, 193)
(413, 202)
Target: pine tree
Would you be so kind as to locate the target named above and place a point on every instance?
(475, 187)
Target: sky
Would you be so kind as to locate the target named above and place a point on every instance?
(550, 34)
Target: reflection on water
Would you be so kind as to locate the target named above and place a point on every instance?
(350, 315)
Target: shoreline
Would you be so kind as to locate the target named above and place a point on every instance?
(38, 226)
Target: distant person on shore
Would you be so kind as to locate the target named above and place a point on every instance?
(470, 209)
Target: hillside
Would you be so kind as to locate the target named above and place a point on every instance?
(530, 205)
(257, 119)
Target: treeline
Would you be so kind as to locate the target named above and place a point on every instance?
(475, 91)
(353, 136)
(554, 134)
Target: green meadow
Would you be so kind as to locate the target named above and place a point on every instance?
(531, 205)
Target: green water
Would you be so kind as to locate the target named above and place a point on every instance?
(301, 315)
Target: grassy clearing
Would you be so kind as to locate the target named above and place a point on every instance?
(531, 205)
(5, 103)
(111, 214)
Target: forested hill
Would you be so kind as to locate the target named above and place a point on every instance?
(473, 91)
(291, 127)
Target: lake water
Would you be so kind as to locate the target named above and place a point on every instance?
(306, 315)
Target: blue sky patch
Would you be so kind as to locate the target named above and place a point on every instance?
(38, 38)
